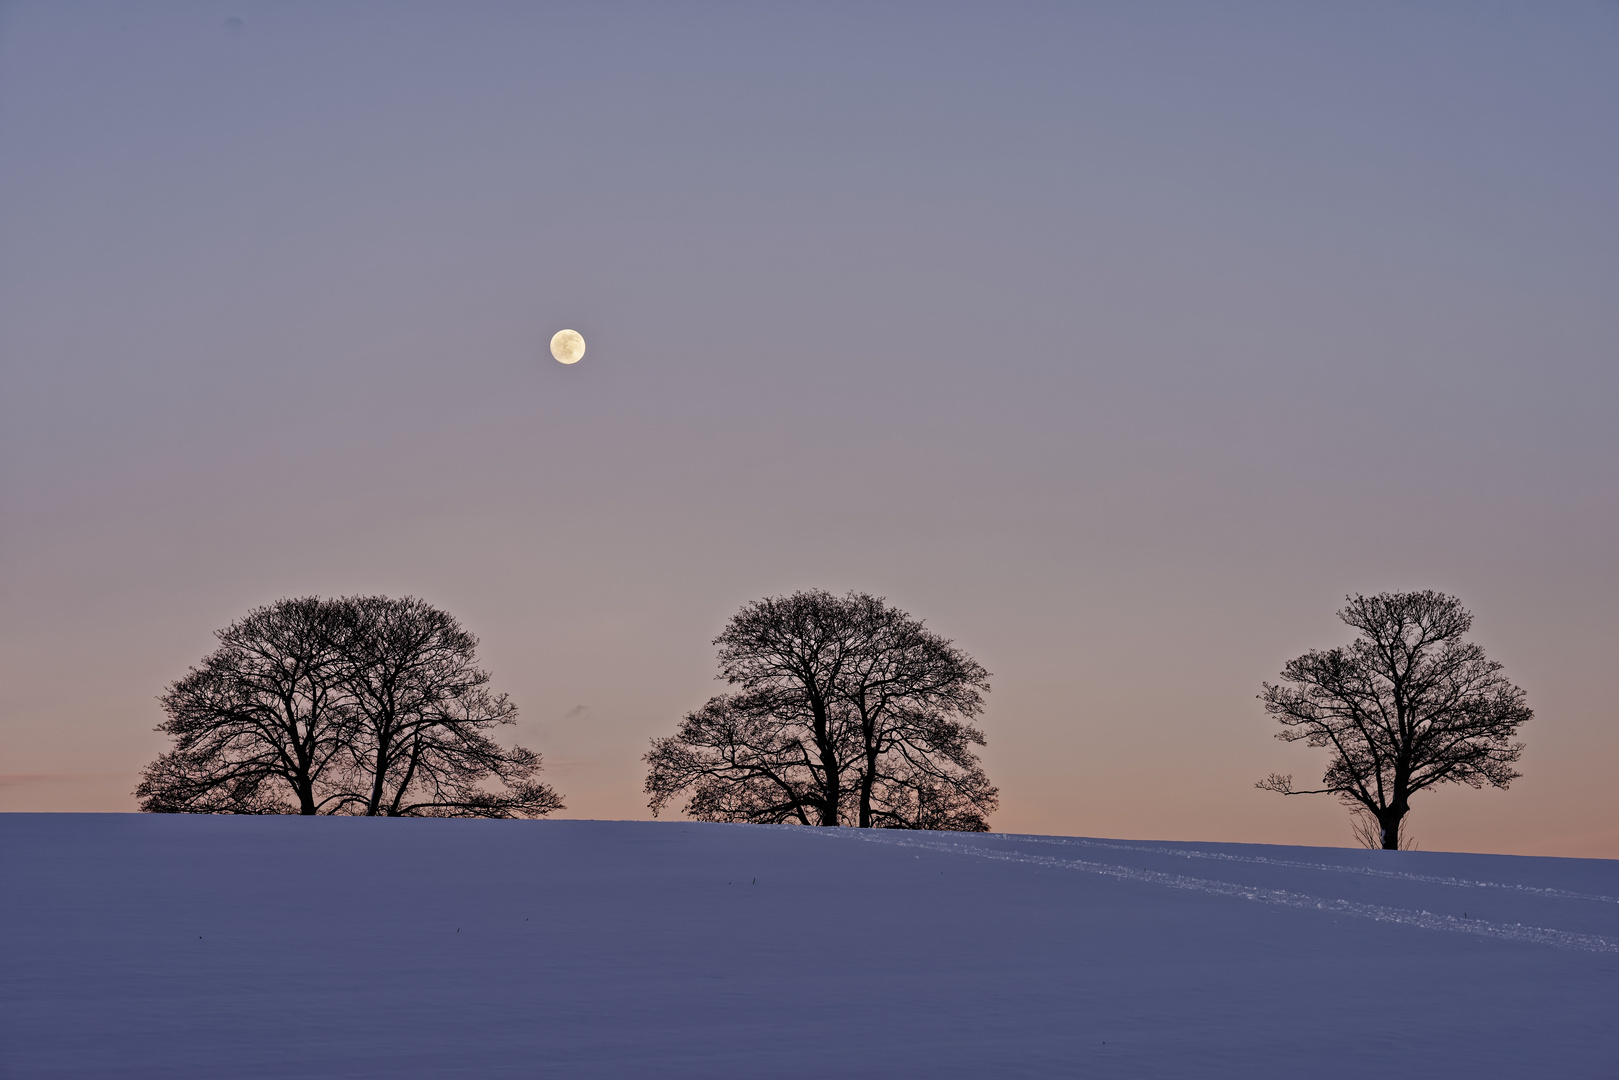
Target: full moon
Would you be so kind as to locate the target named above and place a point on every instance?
(568, 346)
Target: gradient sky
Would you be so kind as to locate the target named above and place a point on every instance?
(1118, 342)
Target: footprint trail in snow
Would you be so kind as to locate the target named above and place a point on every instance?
(996, 847)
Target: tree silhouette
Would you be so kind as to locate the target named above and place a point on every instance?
(261, 724)
(421, 707)
(848, 711)
(355, 705)
(1407, 706)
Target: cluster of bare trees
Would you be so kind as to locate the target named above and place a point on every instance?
(357, 705)
(846, 711)
(1406, 706)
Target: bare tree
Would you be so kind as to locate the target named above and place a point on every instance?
(848, 712)
(783, 749)
(422, 707)
(357, 705)
(911, 694)
(743, 760)
(262, 723)
(1407, 706)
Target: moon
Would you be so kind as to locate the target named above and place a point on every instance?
(568, 346)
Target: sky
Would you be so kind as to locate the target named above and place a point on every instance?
(1119, 343)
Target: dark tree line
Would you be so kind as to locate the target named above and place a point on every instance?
(846, 711)
(842, 710)
(355, 705)
(1407, 706)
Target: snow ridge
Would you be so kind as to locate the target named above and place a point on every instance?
(1426, 920)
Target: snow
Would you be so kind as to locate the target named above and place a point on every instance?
(175, 946)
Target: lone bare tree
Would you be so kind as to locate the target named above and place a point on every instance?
(1408, 705)
(355, 705)
(848, 711)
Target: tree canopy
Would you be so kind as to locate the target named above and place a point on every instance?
(354, 705)
(1407, 706)
(846, 711)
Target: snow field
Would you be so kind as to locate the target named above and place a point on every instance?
(177, 946)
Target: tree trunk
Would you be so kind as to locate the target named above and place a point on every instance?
(1389, 820)
(833, 792)
(373, 805)
(405, 781)
(866, 783)
(304, 782)
(834, 795)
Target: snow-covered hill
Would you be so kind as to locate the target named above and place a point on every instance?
(181, 947)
